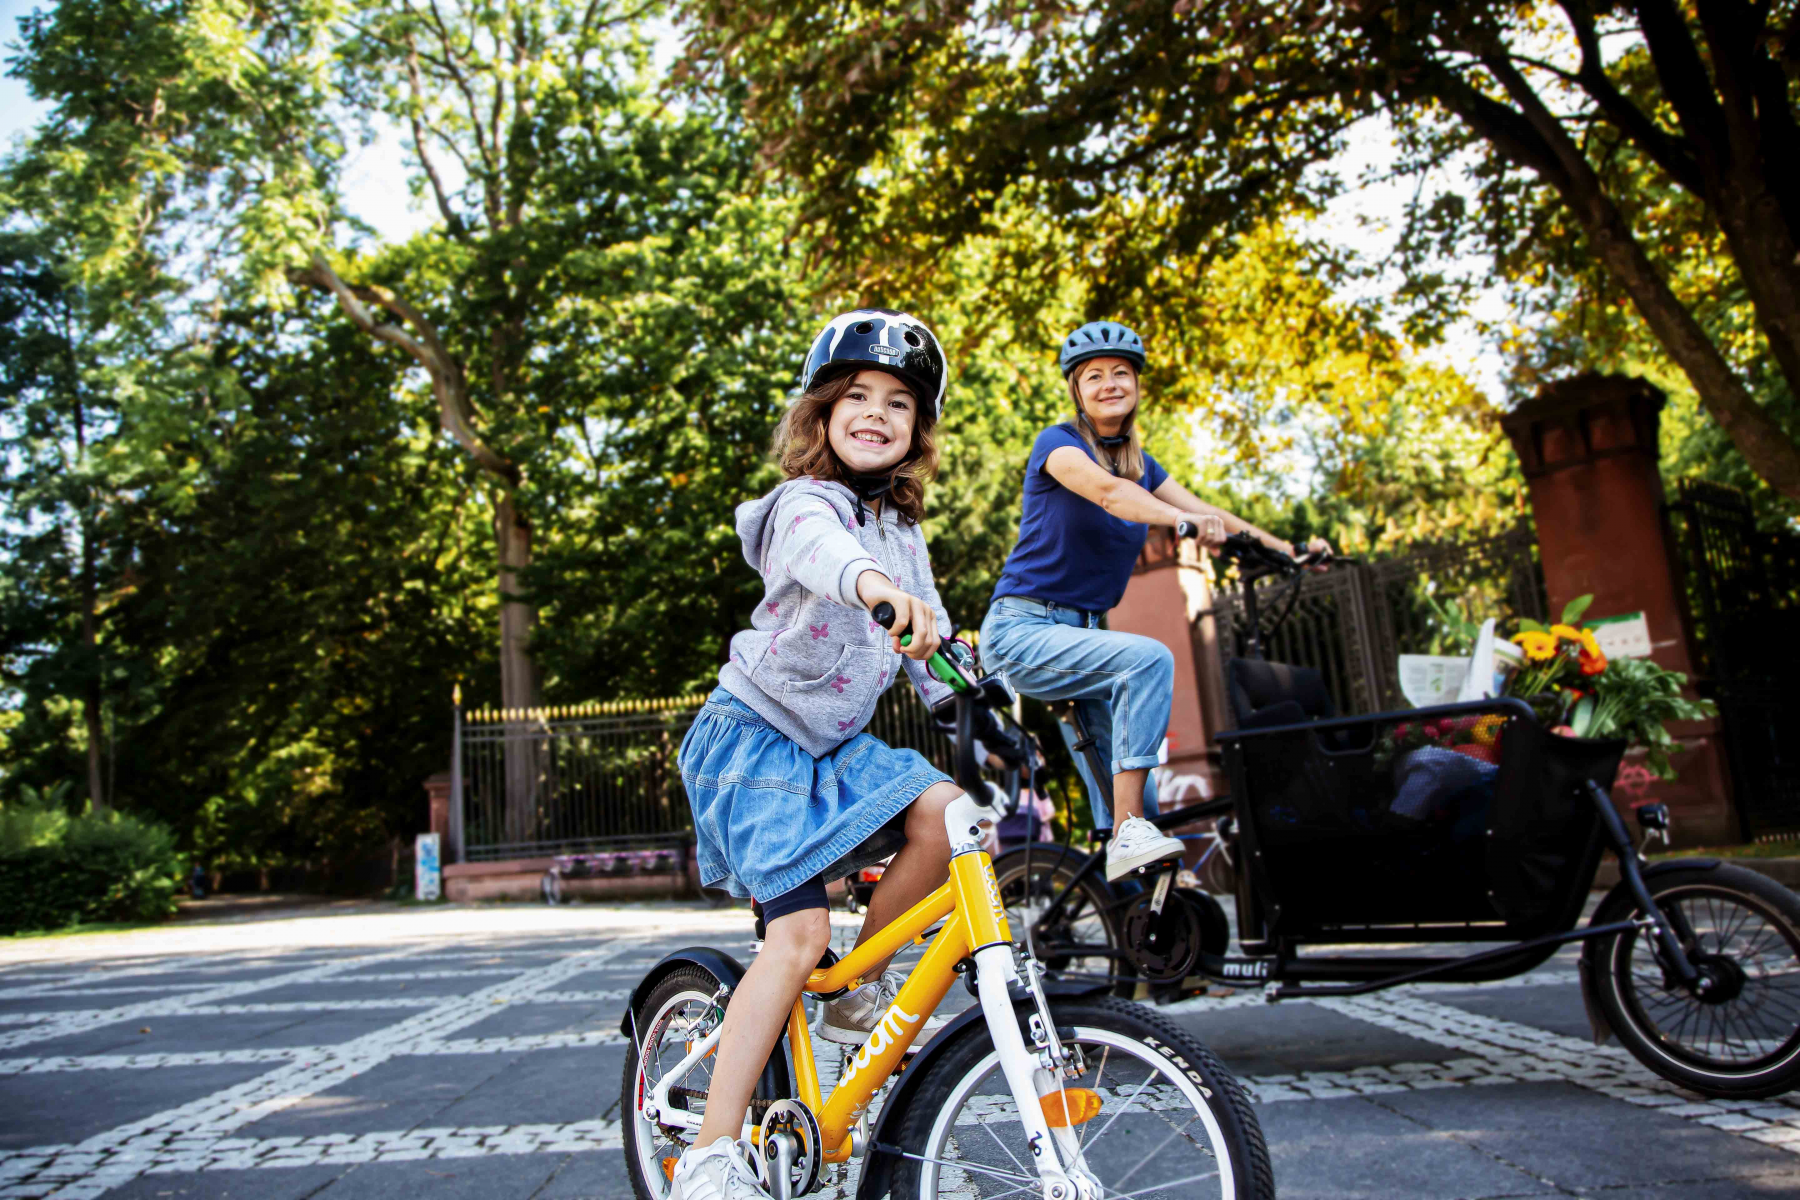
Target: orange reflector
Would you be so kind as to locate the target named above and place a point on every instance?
(1071, 1106)
(669, 1169)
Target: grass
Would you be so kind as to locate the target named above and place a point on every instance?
(95, 927)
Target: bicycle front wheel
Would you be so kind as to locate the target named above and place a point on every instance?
(1173, 1123)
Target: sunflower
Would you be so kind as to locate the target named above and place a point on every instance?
(1538, 647)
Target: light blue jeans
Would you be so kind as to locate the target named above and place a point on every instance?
(1123, 685)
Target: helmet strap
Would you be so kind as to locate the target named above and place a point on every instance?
(871, 486)
(1109, 444)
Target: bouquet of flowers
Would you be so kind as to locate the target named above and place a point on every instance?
(1578, 691)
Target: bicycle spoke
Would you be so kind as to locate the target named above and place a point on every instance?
(1174, 1183)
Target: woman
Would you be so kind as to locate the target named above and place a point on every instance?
(1091, 493)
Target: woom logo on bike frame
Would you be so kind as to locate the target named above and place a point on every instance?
(887, 1031)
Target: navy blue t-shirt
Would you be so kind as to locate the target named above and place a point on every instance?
(1071, 551)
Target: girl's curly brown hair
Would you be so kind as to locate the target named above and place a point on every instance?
(803, 448)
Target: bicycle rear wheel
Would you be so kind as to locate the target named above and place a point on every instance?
(1084, 937)
(678, 1012)
(1173, 1123)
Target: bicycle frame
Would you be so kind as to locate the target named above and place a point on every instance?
(976, 928)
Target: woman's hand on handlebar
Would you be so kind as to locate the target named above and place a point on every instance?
(1317, 555)
(1207, 529)
(911, 614)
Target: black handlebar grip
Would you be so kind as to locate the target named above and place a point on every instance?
(883, 614)
(1186, 529)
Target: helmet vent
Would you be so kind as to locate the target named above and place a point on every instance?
(863, 327)
(912, 339)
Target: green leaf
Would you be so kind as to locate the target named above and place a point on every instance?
(1573, 609)
(1527, 625)
(1582, 719)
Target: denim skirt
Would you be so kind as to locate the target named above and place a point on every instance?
(768, 816)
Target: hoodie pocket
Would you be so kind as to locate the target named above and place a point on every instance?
(834, 703)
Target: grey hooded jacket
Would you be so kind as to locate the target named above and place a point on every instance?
(813, 662)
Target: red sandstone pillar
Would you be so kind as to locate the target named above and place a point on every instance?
(437, 792)
(1588, 446)
(1168, 589)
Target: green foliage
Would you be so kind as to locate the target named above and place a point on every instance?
(1550, 140)
(1632, 699)
(57, 870)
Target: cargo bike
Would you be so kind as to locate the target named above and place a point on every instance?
(1349, 835)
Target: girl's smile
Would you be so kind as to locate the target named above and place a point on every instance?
(871, 426)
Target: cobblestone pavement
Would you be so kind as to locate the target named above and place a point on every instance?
(478, 1054)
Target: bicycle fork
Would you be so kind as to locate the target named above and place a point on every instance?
(1056, 1153)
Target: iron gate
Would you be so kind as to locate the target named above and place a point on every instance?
(1743, 593)
(575, 779)
(1353, 622)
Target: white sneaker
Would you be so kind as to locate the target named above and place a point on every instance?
(1137, 843)
(721, 1171)
(852, 1016)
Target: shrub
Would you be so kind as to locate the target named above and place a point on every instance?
(57, 870)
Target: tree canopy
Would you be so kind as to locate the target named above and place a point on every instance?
(1155, 131)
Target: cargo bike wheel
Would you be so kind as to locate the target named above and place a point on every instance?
(1170, 1122)
(1085, 939)
(1739, 1037)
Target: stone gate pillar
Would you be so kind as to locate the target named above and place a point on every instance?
(1588, 446)
(1167, 592)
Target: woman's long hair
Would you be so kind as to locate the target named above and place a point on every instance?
(803, 447)
(1127, 461)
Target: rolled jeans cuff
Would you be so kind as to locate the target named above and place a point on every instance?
(1142, 762)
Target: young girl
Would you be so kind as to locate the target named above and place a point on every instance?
(788, 792)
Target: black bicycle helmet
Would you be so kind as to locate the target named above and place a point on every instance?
(1099, 339)
(901, 345)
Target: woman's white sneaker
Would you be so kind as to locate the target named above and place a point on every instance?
(720, 1171)
(1137, 843)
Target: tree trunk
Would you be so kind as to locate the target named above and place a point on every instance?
(1546, 149)
(518, 674)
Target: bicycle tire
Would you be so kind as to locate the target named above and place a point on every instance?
(1095, 919)
(1110, 1033)
(644, 1161)
(1748, 926)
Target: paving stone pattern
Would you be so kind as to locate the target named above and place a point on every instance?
(490, 1067)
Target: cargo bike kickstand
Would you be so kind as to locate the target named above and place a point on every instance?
(1030, 1090)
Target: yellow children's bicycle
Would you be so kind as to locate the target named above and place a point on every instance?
(1069, 1096)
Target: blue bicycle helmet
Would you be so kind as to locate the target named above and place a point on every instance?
(1101, 339)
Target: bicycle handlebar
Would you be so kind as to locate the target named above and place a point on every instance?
(968, 693)
(1249, 550)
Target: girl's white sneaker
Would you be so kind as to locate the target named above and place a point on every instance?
(721, 1171)
(1137, 843)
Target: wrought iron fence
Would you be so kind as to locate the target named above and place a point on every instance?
(579, 779)
(1743, 594)
(1354, 622)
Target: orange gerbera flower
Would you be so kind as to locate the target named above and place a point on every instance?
(1592, 663)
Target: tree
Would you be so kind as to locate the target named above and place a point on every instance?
(1155, 129)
